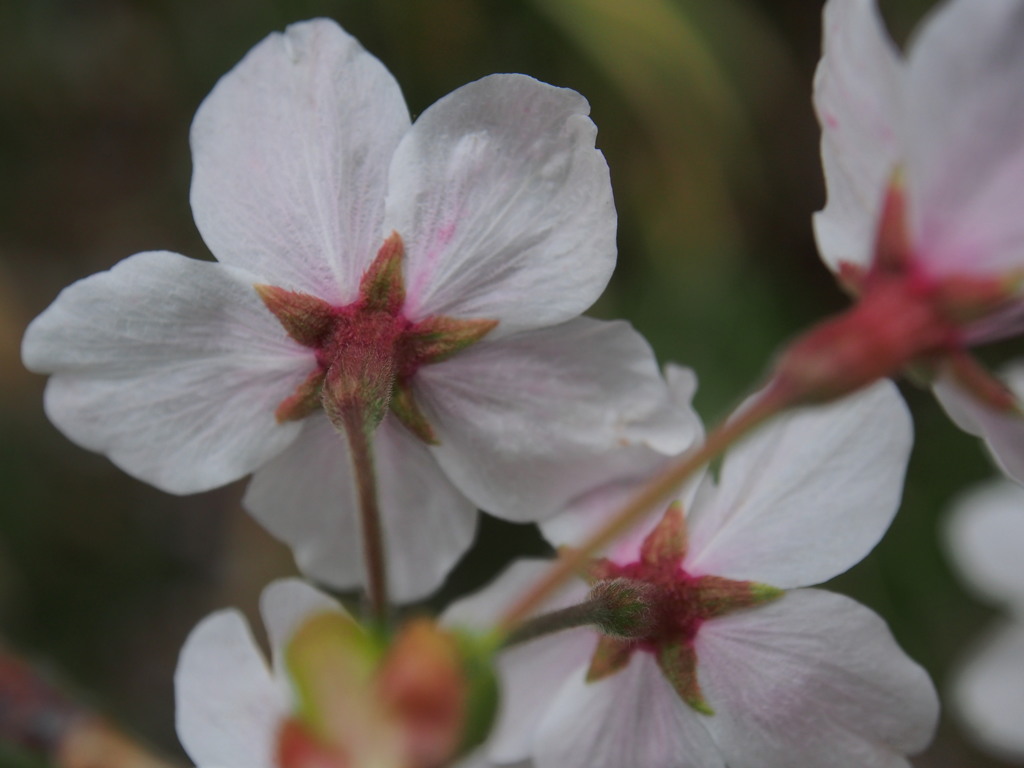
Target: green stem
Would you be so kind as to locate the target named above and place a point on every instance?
(360, 443)
(772, 400)
(580, 615)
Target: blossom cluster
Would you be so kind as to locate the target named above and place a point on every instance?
(391, 339)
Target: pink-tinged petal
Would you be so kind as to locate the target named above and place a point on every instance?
(504, 204)
(812, 679)
(631, 718)
(808, 495)
(985, 536)
(965, 112)
(307, 498)
(857, 95)
(522, 422)
(1002, 431)
(228, 705)
(291, 151)
(988, 691)
(170, 366)
(284, 605)
(531, 673)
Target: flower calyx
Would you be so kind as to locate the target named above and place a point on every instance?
(367, 352)
(904, 317)
(676, 604)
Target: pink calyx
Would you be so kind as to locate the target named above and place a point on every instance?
(904, 317)
(678, 602)
(367, 352)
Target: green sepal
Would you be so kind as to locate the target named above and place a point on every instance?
(382, 287)
(305, 318)
(678, 662)
(717, 596)
(666, 544)
(611, 655)
(437, 338)
(305, 400)
(407, 410)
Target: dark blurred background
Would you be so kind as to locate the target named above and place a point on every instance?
(705, 117)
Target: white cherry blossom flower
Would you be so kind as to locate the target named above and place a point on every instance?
(441, 264)
(735, 673)
(985, 536)
(924, 163)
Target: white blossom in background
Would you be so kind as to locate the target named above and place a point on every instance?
(985, 537)
(234, 710)
(737, 672)
(459, 250)
(944, 123)
(229, 703)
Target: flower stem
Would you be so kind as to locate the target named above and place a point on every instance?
(359, 433)
(772, 400)
(619, 607)
(579, 615)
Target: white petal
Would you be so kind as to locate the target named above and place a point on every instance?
(985, 536)
(291, 150)
(857, 95)
(989, 692)
(631, 718)
(624, 473)
(228, 706)
(172, 367)
(522, 421)
(585, 514)
(808, 495)
(682, 386)
(284, 605)
(307, 498)
(531, 673)
(812, 679)
(965, 113)
(504, 205)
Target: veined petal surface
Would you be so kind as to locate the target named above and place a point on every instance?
(291, 152)
(307, 498)
(808, 495)
(170, 366)
(504, 205)
(522, 421)
(632, 718)
(812, 679)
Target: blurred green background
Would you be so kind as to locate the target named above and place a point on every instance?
(705, 118)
